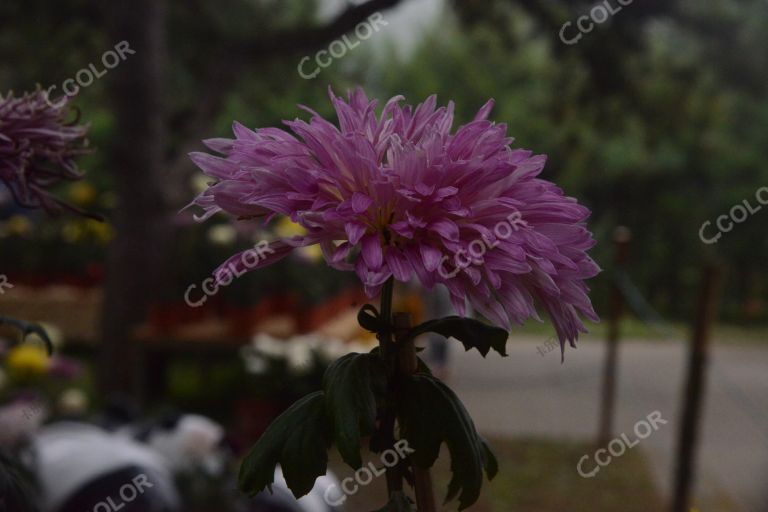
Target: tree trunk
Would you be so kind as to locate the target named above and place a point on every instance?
(136, 156)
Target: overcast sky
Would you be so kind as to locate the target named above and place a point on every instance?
(407, 22)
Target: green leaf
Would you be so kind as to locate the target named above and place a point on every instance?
(351, 385)
(470, 332)
(398, 502)
(369, 319)
(298, 440)
(305, 454)
(27, 328)
(490, 463)
(433, 414)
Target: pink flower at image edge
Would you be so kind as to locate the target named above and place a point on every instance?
(399, 195)
(38, 149)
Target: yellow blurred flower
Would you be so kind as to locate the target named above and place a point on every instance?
(285, 227)
(101, 231)
(82, 193)
(27, 360)
(78, 230)
(313, 252)
(72, 231)
(200, 183)
(18, 225)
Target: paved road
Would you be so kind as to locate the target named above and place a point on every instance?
(531, 394)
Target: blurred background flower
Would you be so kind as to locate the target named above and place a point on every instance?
(38, 148)
(27, 362)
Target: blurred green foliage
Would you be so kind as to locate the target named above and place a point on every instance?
(657, 119)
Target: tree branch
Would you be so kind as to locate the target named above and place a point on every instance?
(293, 41)
(235, 55)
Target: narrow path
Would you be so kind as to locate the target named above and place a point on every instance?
(531, 394)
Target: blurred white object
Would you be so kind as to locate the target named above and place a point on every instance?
(193, 442)
(297, 351)
(314, 501)
(299, 354)
(71, 455)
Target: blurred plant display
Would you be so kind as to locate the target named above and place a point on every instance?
(40, 384)
(648, 121)
(656, 120)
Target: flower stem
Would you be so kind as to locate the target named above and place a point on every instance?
(407, 365)
(385, 336)
(400, 358)
(389, 413)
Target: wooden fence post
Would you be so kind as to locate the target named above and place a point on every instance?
(621, 238)
(695, 387)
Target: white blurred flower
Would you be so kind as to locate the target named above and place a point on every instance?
(73, 402)
(254, 361)
(299, 352)
(332, 349)
(269, 346)
(193, 443)
(222, 234)
(262, 349)
(299, 355)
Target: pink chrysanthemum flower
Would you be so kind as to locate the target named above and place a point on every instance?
(38, 148)
(400, 195)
